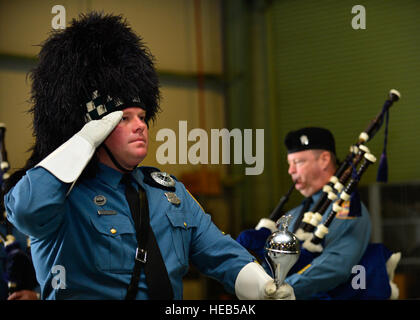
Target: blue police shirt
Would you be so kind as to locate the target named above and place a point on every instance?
(344, 245)
(82, 253)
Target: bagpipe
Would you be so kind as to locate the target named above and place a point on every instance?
(18, 270)
(378, 261)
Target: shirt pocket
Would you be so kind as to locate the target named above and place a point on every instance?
(114, 237)
(182, 226)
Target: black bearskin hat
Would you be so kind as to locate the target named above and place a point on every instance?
(96, 61)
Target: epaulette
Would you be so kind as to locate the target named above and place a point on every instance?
(155, 178)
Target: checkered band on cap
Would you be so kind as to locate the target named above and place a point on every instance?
(99, 106)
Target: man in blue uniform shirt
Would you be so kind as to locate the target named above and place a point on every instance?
(102, 227)
(312, 162)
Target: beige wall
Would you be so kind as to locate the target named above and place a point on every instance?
(14, 93)
(166, 26)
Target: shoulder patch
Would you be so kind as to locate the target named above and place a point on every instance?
(344, 212)
(157, 179)
(163, 178)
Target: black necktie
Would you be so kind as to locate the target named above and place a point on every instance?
(306, 204)
(147, 254)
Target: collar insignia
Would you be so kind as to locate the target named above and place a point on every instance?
(163, 178)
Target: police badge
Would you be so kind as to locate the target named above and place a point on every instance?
(172, 198)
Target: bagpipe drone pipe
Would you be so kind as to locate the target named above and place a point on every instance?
(17, 271)
(336, 184)
(342, 187)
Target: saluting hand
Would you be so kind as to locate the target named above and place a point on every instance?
(96, 131)
(68, 161)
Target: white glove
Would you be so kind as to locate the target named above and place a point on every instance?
(284, 292)
(266, 223)
(391, 265)
(67, 162)
(253, 283)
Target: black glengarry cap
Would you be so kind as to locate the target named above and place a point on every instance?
(309, 138)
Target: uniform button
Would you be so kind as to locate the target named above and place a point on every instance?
(113, 231)
(185, 224)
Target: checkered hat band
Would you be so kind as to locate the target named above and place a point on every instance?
(99, 107)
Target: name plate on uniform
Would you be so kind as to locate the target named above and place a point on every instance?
(106, 212)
